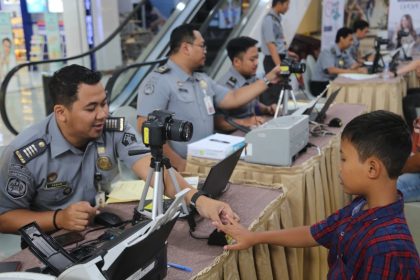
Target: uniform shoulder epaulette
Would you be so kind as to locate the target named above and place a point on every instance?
(115, 124)
(31, 151)
(231, 82)
(162, 69)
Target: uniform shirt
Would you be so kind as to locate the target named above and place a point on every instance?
(59, 174)
(331, 57)
(368, 244)
(170, 88)
(234, 80)
(354, 48)
(272, 32)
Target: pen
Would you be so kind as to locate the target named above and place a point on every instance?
(220, 141)
(180, 267)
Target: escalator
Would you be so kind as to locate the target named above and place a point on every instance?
(216, 29)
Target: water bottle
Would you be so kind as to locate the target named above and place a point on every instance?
(386, 74)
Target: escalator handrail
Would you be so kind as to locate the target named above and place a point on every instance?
(111, 82)
(9, 75)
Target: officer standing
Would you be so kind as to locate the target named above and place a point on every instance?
(53, 172)
(243, 53)
(191, 95)
(273, 45)
(333, 61)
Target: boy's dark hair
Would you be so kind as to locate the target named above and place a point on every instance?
(343, 32)
(274, 3)
(238, 46)
(360, 25)
(65, 83)
(183, 33)
(382, 134)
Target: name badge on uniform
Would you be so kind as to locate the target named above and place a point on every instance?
(341, 62)
(208, 101)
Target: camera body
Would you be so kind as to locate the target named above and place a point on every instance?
(160, 126)
(289, 66)
(380, 41)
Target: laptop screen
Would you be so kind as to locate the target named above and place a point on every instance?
(220, 173)
(323, 113)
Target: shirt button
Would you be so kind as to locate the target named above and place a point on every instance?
(342, 233)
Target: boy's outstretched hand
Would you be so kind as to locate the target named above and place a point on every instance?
(244, 238)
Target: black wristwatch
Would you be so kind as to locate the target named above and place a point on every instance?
(196, 196)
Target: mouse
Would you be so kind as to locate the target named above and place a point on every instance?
(107, 219)
(335, 122)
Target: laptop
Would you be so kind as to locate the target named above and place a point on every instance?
(309, 109)
(320, 117)
(219, 175)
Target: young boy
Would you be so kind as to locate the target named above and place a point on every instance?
(368, 239)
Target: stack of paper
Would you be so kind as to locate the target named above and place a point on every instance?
(216, 146)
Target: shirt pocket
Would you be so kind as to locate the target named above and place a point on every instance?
(55, 195)
(185, 96)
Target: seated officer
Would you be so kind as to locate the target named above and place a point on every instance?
(191, 95)
(360, 29)
(333, 61)
(47, 173)
(243, 53)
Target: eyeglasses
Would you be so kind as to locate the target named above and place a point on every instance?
(203, 46)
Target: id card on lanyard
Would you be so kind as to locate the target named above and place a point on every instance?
(208, 100)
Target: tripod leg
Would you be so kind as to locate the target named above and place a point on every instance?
(178, 189)
(285, 102)
(279, 103)
(157, 208)
(292, 94)
(145, 191)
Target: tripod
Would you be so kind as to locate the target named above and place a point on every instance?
(285, 93)
(157, 163)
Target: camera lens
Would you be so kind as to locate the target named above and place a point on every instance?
(178, 130)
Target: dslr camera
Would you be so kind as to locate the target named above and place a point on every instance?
(289, 66)
(161, 126)
(380, 41)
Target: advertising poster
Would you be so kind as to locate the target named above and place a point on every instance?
(404, 24)
(52, 31)
(373, 11)
(332, 20)
(7, 53)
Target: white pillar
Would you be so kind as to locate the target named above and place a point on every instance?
(105, 21)
(75, 31)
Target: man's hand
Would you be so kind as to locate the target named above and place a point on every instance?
(274, 75)
(250, 121)
(362, 70)
(214, 210)
(244, 238)
(76, 217)
(180, 164)
(268, 110)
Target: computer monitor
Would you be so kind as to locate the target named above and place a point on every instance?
(323, 113)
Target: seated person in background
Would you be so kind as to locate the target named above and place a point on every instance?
(333, 61)
(191, 95)
(49, 172)
(360, 29)
(243, 53)
(368, 239)
(409, 182)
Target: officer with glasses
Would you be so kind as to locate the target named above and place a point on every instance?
(191, 95)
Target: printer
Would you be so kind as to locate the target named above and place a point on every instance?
(277, 141)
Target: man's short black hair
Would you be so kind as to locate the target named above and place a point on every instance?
(274, 3)
(182, 33)
(65, 83)
(343, 32)
(360, 25)
(238, 46)
(382, 134)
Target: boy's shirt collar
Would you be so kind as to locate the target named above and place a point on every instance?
(392, 209)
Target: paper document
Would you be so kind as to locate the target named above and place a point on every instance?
(359, 77)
